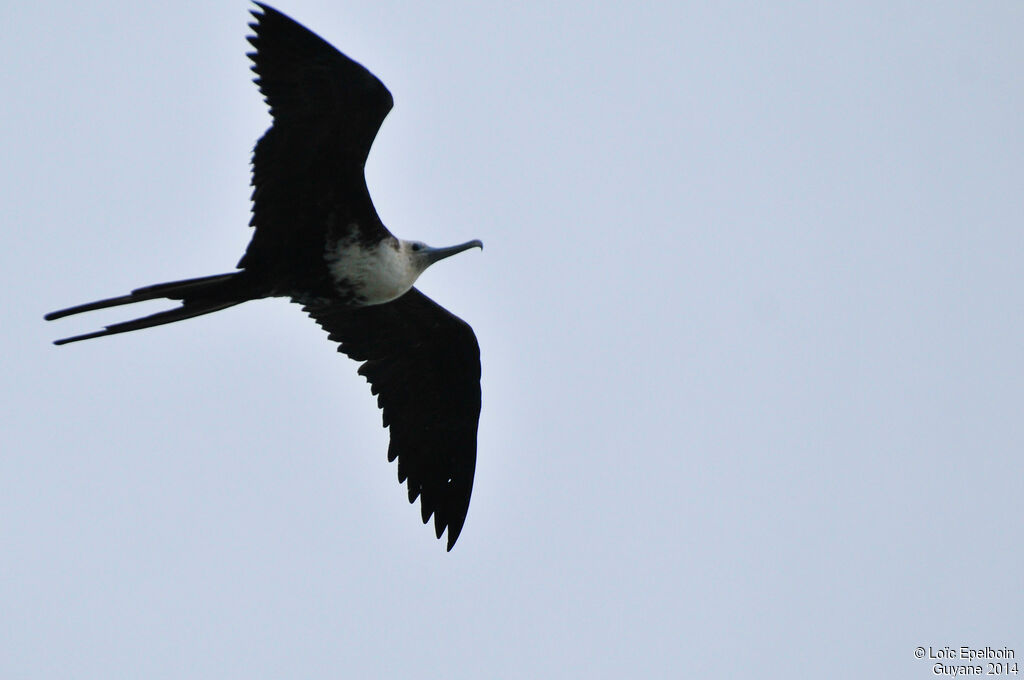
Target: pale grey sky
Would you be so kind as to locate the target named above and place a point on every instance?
(751, 320)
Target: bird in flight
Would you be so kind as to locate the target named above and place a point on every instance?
(319, 242)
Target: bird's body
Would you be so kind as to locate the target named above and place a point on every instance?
(319, 241)
(371, 274)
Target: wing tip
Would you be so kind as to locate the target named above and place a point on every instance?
(453, 535)
(441, 524)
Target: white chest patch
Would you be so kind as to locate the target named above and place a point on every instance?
(375, 275)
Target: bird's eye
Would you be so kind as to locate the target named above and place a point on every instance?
(417, 246)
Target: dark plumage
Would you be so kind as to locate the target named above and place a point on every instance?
(319, 241)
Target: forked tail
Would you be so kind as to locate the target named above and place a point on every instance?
(198, 296)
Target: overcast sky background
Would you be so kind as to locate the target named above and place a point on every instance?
(751, 318)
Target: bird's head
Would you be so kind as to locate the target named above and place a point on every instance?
(420, 255)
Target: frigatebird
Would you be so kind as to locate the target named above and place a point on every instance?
(319, 241)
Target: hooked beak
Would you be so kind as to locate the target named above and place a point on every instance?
(432, 255)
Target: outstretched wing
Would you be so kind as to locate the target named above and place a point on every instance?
(308, 167)
(423, 363)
